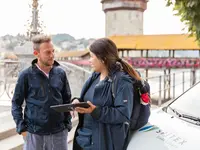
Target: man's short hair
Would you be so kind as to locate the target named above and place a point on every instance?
(39, 39)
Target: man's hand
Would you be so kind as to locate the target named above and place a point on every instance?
(72, 112)
(23, 134)
(75, 101)
(86, 110)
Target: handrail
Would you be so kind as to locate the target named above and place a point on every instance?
(163, 87)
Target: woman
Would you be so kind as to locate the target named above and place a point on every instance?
(104, 125)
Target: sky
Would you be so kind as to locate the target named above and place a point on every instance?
(81, 18)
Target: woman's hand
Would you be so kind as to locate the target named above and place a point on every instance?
(86, 110)
(73, 112)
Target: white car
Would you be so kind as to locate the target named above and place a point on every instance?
(175, 127)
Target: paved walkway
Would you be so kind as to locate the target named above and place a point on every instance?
(7, 123)
(4, 108)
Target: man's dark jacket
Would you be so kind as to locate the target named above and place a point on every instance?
(40, 92)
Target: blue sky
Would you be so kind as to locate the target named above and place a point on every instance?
(82, 18)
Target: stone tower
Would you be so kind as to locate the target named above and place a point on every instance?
(124, 17)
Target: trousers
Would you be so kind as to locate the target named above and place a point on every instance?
(57, 141)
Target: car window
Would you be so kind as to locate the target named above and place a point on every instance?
(189, 103)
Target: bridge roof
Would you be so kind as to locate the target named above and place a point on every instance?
(144, 42)
(8, 55)
(156, 42)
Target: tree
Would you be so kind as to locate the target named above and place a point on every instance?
(189, 11)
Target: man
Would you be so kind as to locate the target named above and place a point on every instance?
(42, 85)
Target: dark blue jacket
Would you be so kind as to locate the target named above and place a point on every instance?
(39, 93)
(111, 117)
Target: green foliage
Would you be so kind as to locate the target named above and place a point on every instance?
(189, 11)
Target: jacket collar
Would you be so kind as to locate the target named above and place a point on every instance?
(36, 60)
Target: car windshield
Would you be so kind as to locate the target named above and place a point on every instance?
(189, 102)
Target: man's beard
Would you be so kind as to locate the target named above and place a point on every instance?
(46, 63)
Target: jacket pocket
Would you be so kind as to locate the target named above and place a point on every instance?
(84, 138)
(56, 82)
(37, 88)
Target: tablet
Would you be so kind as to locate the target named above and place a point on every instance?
(69, 107)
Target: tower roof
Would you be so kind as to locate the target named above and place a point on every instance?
(102, 1)
(140, 5)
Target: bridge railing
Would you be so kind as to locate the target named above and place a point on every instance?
(8, 76)
(163, 87)
(75, 74)
(170, 86)
(76, 77)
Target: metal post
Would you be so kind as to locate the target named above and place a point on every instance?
(142, 53)
(183, 82)
(169, 79)
(147, 55)
(147, 75)
(128, 53)
(164, 79)
(122, 54)
(173, 53)
(169, 53)
(169, 89)
(160, 92)
(190, 78)
(193, 76)
(199, 53)
(174, 85)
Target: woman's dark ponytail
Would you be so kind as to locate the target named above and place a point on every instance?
(129, 69)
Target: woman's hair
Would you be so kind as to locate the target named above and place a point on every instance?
(107, 51)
